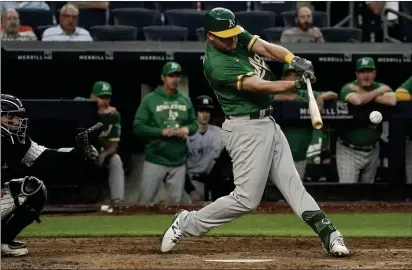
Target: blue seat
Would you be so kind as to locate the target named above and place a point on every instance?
(35, 17)
(341, 34)
(165, 33)
(40, 29)
(190, 18)
(136, 17)
(274, 33)
(167, 5)
(320, 18)
(122, 4)
(89, 17)
(256, 21)
(234, 6)
(113, 32)
(275, 6)
(200, 34)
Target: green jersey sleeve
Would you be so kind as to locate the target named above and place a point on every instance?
(142, 120)
(231, 74)
(406, 85)
(247, 40)
(115, 132)
(303, 95)
(404, 92)
(191, 122)
(345, 92)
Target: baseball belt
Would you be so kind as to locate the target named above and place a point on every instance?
(256, 115)
(367, 148)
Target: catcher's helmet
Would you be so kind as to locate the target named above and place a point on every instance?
(13, 121)
(222, 23)
(204, 103)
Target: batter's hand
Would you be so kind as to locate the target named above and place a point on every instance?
(300, 65)
(300, 83)
(309, 74)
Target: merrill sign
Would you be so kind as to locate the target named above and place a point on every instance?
(340, 111)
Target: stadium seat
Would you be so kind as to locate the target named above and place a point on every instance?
(200, 33)
(113, 32)
(35, 17)
(320, 18)
(234, 6)
(273, 34)
(256, 21)
(162, 6)
(136, 17)
(190, 18)
(165, 33)
(122, 4)
(341, 34)
(89, 17)
(275, 6)
(40, 29)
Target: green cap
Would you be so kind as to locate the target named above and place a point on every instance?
(222, 23)
(171, 67)
(365, 63)
(102, 89)
(287, 68)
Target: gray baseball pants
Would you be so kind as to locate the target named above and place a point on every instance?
(259, 150)
(116, 177)
(408, 153)
(353, 163)
(301, 168)
(153, 176)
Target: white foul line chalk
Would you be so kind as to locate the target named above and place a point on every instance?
(241, 260)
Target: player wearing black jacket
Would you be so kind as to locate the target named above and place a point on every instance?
(23, 197)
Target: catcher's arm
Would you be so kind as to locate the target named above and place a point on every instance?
(83, 145)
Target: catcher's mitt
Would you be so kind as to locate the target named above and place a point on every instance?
(83, 139)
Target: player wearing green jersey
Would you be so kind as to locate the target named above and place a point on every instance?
(164, 119)
(109, 139)
(244, 86)
(357, 149)
(299, 136)
(404, 93)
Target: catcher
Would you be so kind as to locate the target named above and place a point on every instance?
(24, 197)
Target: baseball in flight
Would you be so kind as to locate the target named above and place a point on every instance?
(375, 117)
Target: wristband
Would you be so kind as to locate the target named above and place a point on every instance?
(289, 58)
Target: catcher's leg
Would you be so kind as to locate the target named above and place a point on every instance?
(286, 178)
(20, 206)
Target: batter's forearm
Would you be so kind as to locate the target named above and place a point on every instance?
(272, 51)
(258, 85)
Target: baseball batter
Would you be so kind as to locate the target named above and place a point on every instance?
(357, 149)
(164, 119)
(204, 146)
(404, 93)
(299, 136)
(244, 86)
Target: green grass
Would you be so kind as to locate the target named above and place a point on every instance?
(352, 225)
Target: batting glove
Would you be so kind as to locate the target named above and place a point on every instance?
(301, 65)
(300, 83)
(309, 74)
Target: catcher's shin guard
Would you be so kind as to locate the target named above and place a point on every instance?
(24, 202)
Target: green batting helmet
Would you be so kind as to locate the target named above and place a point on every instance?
(222, 23)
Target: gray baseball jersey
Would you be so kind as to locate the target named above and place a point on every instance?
(203, 149)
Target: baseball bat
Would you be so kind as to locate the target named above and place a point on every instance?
(313, 107)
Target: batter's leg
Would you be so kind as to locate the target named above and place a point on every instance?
(152, 177)
(408, 158)
(347, 164)
(301, 168)
(286, 178)
(251, 147)
(175, 183)
(116, 178)
(372, 163)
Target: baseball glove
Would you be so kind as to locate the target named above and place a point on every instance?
(83, 145)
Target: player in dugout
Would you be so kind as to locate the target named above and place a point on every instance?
(404, 93)
(23, 195)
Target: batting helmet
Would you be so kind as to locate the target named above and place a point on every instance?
(222, 23)
(204, 102)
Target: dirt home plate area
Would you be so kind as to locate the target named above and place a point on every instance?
(219, 252)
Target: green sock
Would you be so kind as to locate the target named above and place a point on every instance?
(320, 224)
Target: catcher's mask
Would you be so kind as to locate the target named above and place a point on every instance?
(13, 121)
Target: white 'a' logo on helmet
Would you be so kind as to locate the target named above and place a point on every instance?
(365, 61)
(231, 23)
(174, 65)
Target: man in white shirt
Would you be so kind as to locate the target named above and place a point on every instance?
(67, 30)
